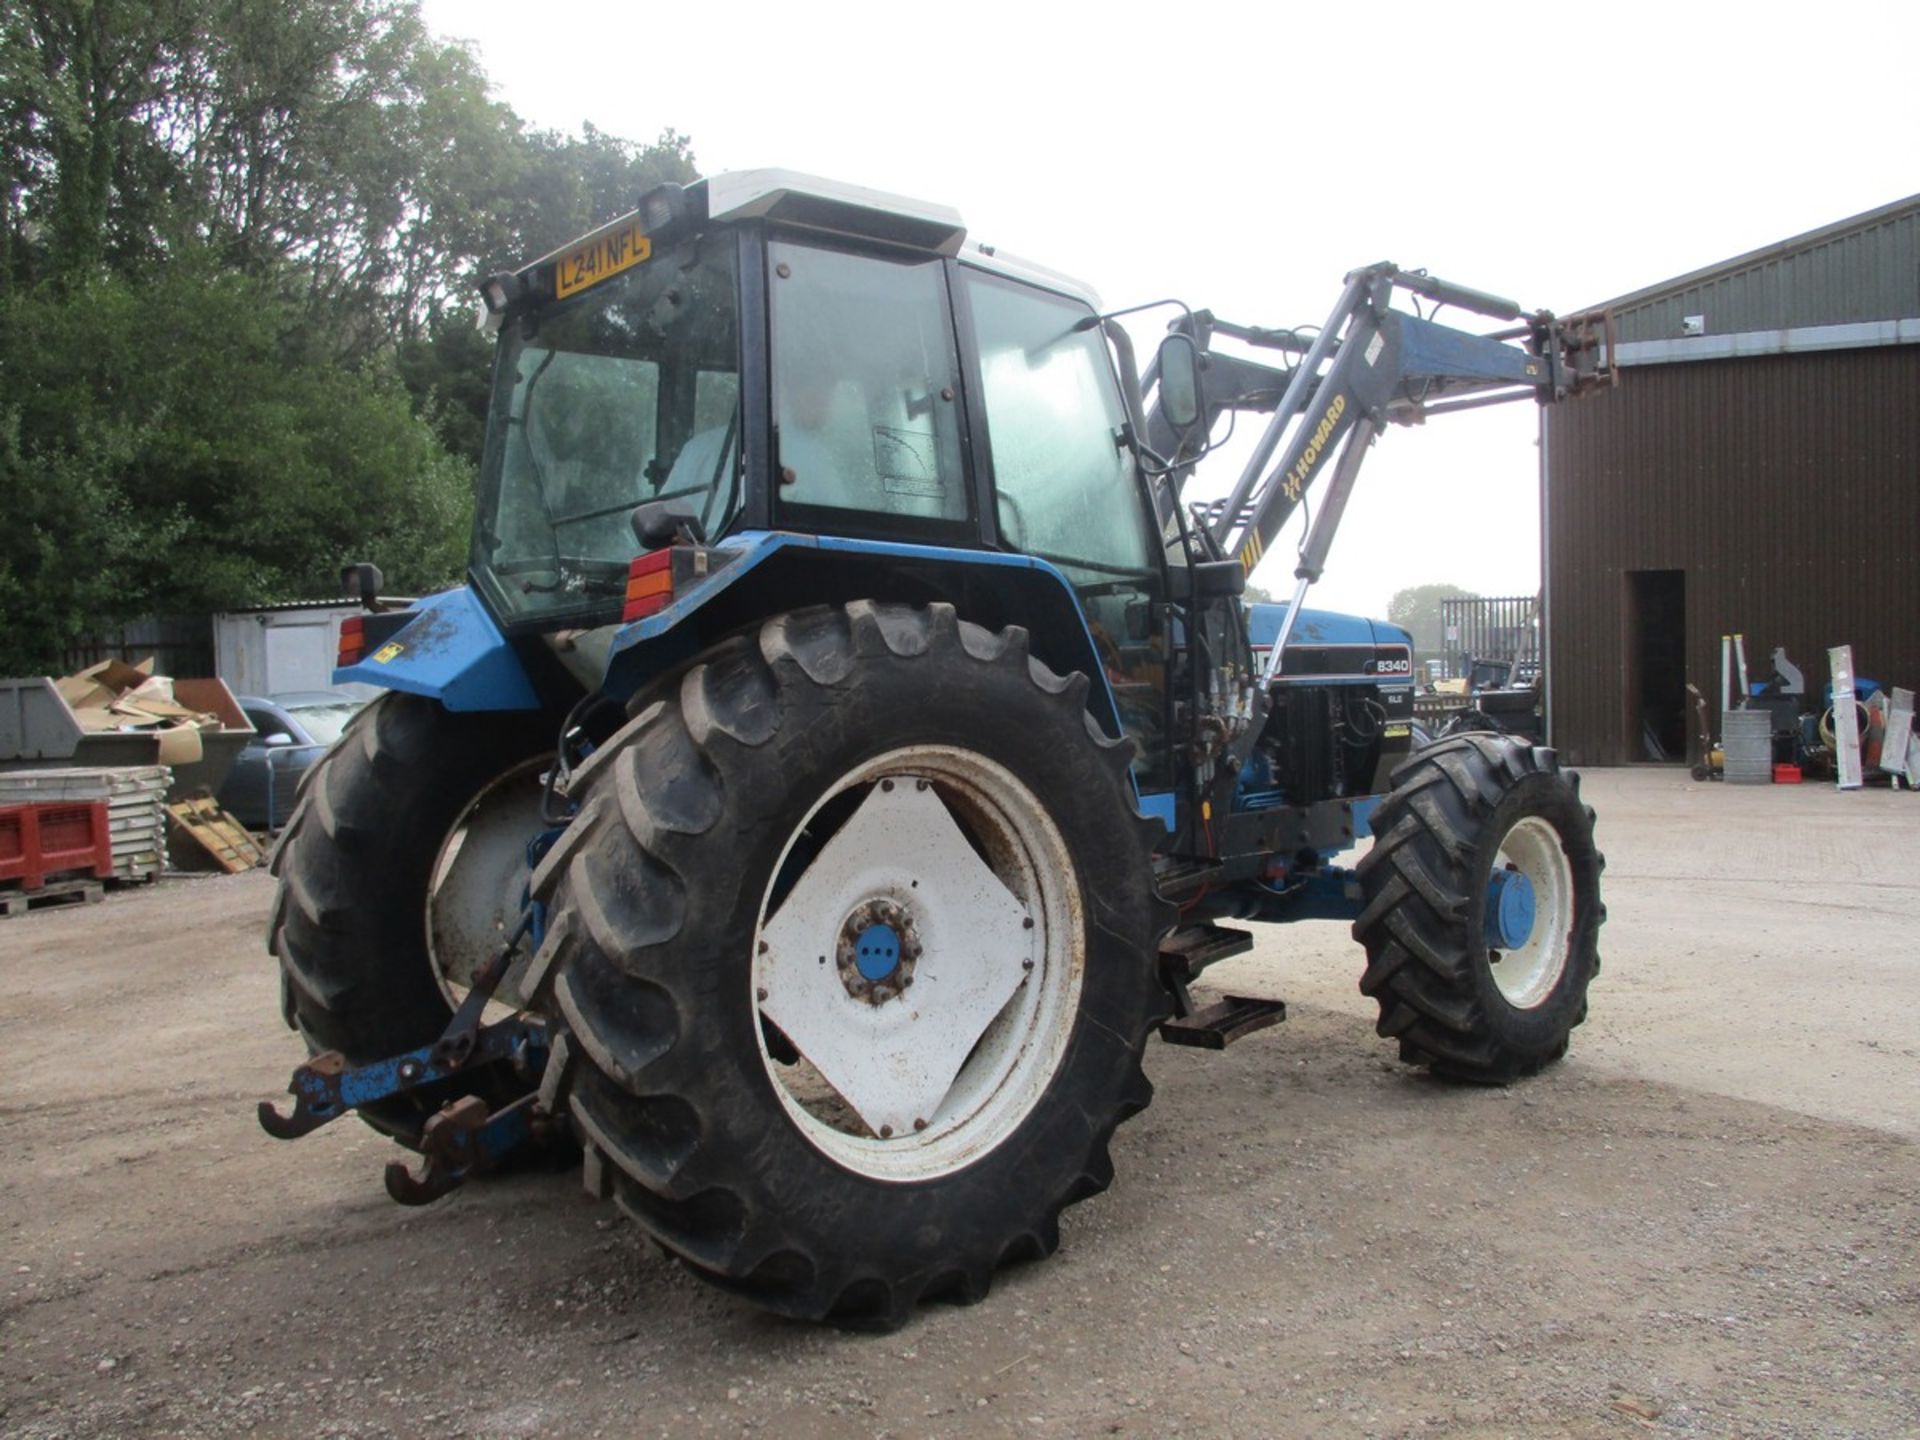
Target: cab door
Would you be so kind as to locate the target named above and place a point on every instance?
(1065, 486)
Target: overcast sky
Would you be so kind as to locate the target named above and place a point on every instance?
(1244, 157)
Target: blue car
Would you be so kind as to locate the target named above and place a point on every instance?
(291, 731)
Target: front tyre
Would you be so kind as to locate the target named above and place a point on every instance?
(851, 956)
(1482, 908)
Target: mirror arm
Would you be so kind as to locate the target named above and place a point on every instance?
(1129, 376)
(1134, 435)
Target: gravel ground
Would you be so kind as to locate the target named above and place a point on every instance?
(1703, 1223)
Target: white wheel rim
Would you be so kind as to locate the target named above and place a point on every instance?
(1527, 974)
(478, 880)
(951, 1061)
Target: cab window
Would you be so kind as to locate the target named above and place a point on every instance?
(1063, 483)
(864, 385)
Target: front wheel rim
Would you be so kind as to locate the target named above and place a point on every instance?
(946, 922)
(1527, 974)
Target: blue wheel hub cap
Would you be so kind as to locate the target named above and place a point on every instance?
(1510, 910)
(876, 951)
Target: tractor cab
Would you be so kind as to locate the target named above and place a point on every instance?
(776, 352)
(764, 356)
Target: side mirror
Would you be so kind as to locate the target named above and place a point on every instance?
(1180, 392)
(363, 582)
(660, 523)
(277, 739)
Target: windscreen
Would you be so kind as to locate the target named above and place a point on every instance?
(628, 394)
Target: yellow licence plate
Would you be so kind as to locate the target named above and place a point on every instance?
(599, 258)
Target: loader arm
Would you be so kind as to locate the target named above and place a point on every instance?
(1368, 365)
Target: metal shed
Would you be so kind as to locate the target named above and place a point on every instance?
(1756, 470)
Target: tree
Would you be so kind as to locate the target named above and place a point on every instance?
(239, 245)
(181, 445)
(1417, 609)
(338, 137)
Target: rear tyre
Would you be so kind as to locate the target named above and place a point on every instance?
(851, 959)
(1482, 908)
(356, 865)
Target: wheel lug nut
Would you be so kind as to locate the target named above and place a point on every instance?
(920, 1124)
(761, 992)
(886, 1132)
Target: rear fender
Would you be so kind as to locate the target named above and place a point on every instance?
(450, 651)
(772, 572)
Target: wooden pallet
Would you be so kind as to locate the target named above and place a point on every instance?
(17, 902)
(215, 834)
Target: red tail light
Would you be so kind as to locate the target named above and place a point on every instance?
(649, 584)
(353, 643)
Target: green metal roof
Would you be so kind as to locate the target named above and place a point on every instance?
(1852, 273)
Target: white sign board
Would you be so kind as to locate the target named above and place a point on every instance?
(1846, 719)
(1900, 750)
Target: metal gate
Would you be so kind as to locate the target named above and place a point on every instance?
(1491, 628)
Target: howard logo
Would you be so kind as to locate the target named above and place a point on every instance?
(1296, 480)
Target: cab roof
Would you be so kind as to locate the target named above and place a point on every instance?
(813, 202)
(807, 202)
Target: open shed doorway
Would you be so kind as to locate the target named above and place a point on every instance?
(1656, 678)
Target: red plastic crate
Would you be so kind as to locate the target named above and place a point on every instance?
(1786, 774)
(37, 841)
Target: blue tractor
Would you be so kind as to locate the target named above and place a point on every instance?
(849, 744)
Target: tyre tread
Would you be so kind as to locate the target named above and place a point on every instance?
(693, 1206)
(1417, 903)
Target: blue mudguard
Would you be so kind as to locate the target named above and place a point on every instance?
(451, 651)
(751, 550)
(645, 647)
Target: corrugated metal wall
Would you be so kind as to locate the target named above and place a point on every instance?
(1786, 488)
(1866, 268)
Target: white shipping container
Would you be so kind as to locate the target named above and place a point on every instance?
(282, 648)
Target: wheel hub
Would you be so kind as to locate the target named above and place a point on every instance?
(1511, 907)
(898, 963)
(878, 947)
(1529, 913)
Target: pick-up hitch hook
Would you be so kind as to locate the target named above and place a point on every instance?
(460, 1139)
(327, 1087)
(315, 1088)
